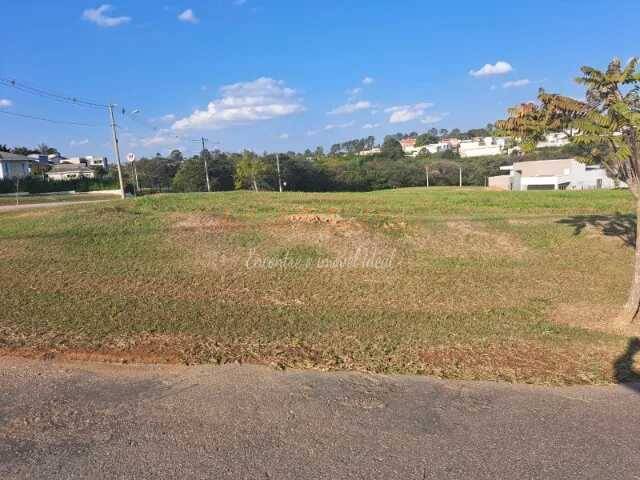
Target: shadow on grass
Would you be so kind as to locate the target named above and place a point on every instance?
(623, 369)
(618, 225)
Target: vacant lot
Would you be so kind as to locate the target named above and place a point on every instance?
(454, 283)
(25, 200)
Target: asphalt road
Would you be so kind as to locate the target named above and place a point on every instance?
(73, 420)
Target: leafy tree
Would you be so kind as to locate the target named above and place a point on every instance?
(190, 176)
(426, 139)
(176, 156)
(250, 171)
(611, 116)
(391, 148)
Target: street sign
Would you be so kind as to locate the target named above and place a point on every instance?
(131, 157)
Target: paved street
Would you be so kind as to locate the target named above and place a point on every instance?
(74, 420)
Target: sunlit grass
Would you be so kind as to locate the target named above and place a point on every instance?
(472, 286)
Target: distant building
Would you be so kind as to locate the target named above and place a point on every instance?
(566, 174)
(70, 171)
(87, 160)
(558, 139)
(410, 149)
(50, 159)
(408, 143)
(481, 147)
(13, 165)
(373, 151)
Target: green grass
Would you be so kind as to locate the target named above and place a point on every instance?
(9, 200)
(454, 283)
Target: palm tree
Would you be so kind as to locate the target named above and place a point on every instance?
(609, 115)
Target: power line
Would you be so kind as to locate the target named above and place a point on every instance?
(40, 92)
(61, 122)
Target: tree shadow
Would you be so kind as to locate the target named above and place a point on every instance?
(623, 369)
(618, 225)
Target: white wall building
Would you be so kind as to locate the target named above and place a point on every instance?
(14, 166)
(88, 160)
(50, 159)
(558, 139)
(70, 171)
(481, 147)
(566, 174)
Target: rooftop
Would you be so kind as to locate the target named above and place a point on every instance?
(13, 157)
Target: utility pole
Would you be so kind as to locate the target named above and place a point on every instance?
(132, 158)
(205, 154)
(460, 176)
(426, 170)
(116, 148)
(278, 167)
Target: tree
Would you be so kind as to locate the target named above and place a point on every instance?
(190, 176)
(249, 171)
(176, 156)
(426, 139)
(391, 148)
(611, 116)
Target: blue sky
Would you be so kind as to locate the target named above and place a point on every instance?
(286, 75)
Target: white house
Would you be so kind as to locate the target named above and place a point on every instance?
(366, 153)
(565, 174)
(70, 172)
(481, 147)
(411, 150)
(558, 139)
(50, 159)
(14, 166)
(88, 160)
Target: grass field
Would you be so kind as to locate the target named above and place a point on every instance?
(25, 200)
(454, 283)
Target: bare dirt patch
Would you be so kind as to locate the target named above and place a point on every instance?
(205, 222)
(146, 349)
(519, 362)
(315, 218)
(469, 239)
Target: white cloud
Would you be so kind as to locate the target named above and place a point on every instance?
(351, 108)
(431, 119)
(188, 16)
(245, 102)
(354, 91)
(5, 103)
(369, 126)
(406, 113)
(500, 68)
(284, 136)
(516, 83)
(367, 81)
(169, 117)
(100, 16)
(333, 126)
(77, 143)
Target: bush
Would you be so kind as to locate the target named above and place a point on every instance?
(38, 185)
